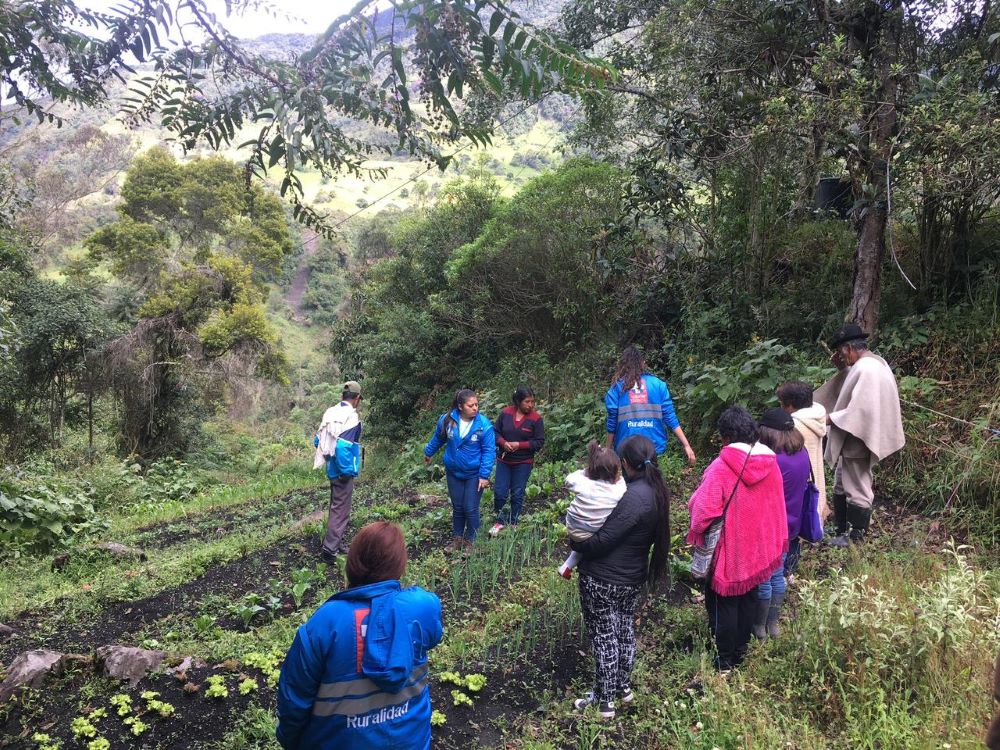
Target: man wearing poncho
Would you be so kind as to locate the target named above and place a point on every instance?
(862, 404)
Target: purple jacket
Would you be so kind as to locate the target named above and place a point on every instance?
(795, 474)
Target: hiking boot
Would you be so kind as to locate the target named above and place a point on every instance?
(860, 518)
(759, 627)
(605, 709)
(774, 612)
(840, 514)
(496, 529)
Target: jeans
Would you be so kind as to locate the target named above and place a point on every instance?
(775, 584)
(792, 558)
(511, 479)
(730, 618)
(465, 496)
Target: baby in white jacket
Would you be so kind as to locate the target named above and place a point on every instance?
(596, 491)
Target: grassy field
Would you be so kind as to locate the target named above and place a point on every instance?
(886, 646)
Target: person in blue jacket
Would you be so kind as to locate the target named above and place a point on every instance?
(356, 675)
(469, 454)
(639, 403)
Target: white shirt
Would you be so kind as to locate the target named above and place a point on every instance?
(464, 425)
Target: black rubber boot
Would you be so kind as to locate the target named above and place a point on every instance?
(860, 518)
(774, 613)
(759, 628)
(840, 514)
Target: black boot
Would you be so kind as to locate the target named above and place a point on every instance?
(840, 514)
(759, 627)
(860, 518)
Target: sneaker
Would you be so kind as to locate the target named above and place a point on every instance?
(628, 696)
(841, 541)
(496, 529)
(565, 572)
(327, 557)
(606, 710)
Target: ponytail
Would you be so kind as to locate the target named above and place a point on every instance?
(638, 452)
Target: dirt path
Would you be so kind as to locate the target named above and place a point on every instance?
(310, 244)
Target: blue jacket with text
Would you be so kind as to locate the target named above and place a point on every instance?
(645, 409)
(468, 456)
(356, 675)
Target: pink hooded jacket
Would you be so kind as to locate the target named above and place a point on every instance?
(755, 532)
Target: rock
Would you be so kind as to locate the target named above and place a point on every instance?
(112, 548)
(188, 662)
(120, 550)
(127, 663)
(30, 669)
(6, 632)
(314, 517)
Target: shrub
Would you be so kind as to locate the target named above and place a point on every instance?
(43, 515)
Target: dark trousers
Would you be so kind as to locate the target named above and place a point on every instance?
(341, 492)
(511, 479)
(609, 614)
(730, 618)
(465, 496)
(792, 558)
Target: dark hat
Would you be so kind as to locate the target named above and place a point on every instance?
(352, 387)
(777, 419)
(847, 332)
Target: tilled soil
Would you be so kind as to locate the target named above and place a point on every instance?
(119, 622)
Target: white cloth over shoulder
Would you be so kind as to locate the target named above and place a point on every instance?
(593, 502)
(336, 421)
(863, 401)
(811, 424)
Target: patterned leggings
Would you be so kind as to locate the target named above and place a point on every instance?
(609, 613)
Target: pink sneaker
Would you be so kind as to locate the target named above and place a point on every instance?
(496, 529)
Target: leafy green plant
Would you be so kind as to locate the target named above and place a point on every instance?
(123, 702)
(44, 514)
(82, 728)
(101, 743)
(216, 687)
(438, 719)
(45, 742)
(247, 686)
(136, 725)
(460, 699)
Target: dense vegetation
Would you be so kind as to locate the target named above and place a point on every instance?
(170, 334)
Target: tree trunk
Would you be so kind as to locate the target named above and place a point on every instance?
(868, 259)
(867, 294)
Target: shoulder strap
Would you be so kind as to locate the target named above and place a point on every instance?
(736, 486)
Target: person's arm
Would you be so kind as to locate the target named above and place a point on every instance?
(435, 443)
(537, 437)
(300, 678)
(682, 439)
(611, 407)
(488, 455)
(498, 431)
(616, 528)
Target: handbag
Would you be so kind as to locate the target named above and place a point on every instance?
(812, 525)
(703, 555)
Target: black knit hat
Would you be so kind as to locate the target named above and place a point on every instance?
(777, 419)
(847, 332)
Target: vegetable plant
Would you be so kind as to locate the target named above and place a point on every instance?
(216, 687)
(460, 699)
(438, 718)
(247, 686)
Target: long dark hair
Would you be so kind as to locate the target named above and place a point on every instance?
(461, 396)
(640, 455)
(631, 366)
(520, 393)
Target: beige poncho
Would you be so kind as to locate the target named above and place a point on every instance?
(863, 401)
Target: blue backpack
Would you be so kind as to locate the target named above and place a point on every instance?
(345, 461)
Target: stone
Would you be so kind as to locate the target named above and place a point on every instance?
(314, 517)
(30, 669)
(127, 662)
(6, 631)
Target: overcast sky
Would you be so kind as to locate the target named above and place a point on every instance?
(306, 16)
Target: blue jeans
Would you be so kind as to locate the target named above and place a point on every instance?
(775, 584)
(465, 496)
(792, 558)
(511, 479)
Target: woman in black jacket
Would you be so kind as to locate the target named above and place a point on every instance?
(614, 568)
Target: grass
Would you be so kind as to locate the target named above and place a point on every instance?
(889, 646)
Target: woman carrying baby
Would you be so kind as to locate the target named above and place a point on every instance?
(614, 566)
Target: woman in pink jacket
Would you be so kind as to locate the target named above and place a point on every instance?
(754, 533)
